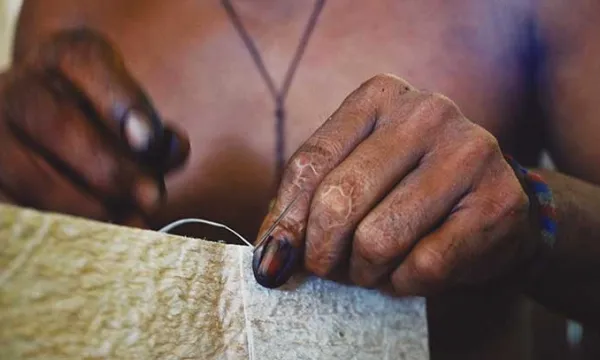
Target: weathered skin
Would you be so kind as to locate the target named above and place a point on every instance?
(488, 57)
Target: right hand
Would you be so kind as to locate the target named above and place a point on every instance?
(79, 136)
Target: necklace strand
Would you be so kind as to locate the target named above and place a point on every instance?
(280, 95)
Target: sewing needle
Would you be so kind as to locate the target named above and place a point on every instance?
(280, 217)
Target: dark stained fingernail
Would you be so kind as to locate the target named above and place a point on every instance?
(274, 262)
(174, 146)
(175, 149)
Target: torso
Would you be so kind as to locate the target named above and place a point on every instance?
(194, 65)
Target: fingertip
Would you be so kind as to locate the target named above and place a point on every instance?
(275, 260)
(406, 283)
(136, 221)
(149, 194)
(402, 291)
(279, 247)
(361, 273)
(402, 286)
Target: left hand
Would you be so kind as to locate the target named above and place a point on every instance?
(398, 188)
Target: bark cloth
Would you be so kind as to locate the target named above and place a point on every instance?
(77, 289)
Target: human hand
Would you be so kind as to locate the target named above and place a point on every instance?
(397, 189)
(79, 136)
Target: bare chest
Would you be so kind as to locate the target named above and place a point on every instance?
(202, 76)
(194, 64)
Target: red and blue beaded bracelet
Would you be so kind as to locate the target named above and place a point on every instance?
(538, 188)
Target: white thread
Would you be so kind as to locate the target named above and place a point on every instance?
(249, 336)
(177, 223)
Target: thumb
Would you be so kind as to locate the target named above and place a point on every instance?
(278, 251)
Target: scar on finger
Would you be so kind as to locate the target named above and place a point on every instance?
(303, 164)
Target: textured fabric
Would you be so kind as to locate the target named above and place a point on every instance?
(77, 289)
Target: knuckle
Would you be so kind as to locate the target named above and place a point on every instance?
(442, 106)
(485, 141)
(429, 266)
(482, 144)
(433, 110)
(438, 101)
(307, 165)
(320, 149)
(383, 79)
(295, 170)
(311, 163)
(505, 198)
(371, 244)
(383, 83)
(333, 204)
(340, 196)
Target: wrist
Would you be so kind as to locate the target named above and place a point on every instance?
(540, 236)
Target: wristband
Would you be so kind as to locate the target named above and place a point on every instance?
(543, 209)
(543, 201)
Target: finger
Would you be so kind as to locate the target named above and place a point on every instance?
(473, 244)
(84, 65)
(5, 196)
(328, 147)
(136, 221)
(415, 207)
(28, 180)
(276, 257)
(55, 129)
(350, 191)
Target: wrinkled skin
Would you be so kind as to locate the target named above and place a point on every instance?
(74, 117)
(417, 195)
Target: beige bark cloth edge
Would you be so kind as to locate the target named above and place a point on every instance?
(77, 289)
